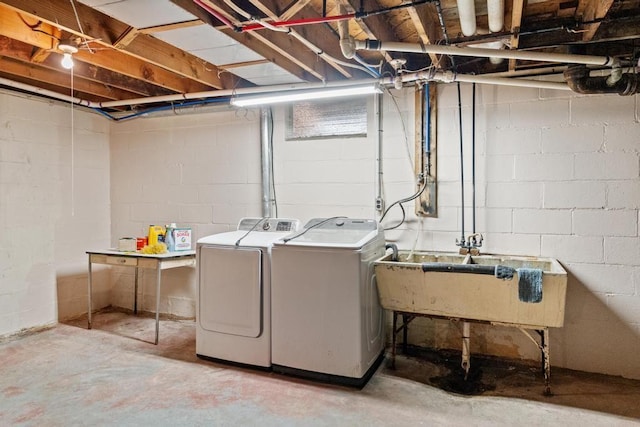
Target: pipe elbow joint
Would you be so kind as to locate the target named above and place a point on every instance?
(348, 47)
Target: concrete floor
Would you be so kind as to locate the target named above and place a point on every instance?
(69, 375)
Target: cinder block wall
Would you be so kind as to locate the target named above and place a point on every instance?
(557, 176)
(199, 170)
(52, 209)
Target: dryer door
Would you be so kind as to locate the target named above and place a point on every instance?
(230, 290)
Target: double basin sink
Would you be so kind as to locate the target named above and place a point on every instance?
(459, 286)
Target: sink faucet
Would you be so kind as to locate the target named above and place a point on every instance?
(471, 245)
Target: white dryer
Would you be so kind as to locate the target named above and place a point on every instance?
(233, 310)
(327, 322)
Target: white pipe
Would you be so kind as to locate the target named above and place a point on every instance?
(497, 44)
(486, 53)
(495, 14)
(445, 77)
(466, 351)
(266, 145)
(451, 77)
(467, 15)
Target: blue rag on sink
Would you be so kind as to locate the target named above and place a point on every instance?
(529, 284)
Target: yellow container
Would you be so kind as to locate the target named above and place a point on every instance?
(156, 234)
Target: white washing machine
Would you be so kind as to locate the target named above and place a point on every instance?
(233, 309)
(327, 322)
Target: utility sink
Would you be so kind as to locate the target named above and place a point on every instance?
(429, 283)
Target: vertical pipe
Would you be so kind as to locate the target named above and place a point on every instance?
(466, 352)
(266, 145)
(467, 15)
(473, 159)
(426, 131)
(378, 111)
(462, 241)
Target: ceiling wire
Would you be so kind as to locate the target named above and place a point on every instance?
(73, 157)
(84, 37)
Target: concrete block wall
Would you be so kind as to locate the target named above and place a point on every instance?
(54, 205)
(197, 170)
(557, 176)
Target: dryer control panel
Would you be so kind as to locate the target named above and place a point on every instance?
(268, 224)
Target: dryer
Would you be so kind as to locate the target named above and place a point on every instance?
(233, 310)
(327, 322)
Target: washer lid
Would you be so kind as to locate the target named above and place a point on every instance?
(254, 232)
(336, 232)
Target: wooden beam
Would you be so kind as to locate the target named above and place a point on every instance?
(28, 29)
(588, 10)
(516, 21)
(126, 38)
(54, 88)
(277, 47)
(170, 27)
(322, 36)
(39, 75)
(22, 52)
(427, 31)
(293, 9)
(105, 31)
(116, 61)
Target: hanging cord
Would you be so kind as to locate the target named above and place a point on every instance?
(251, 229)
(73, 151)
(407, 199)
(86, 40)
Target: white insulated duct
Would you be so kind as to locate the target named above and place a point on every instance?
(467, 15)
(495, 14)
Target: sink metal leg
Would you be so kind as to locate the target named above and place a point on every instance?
(546, 365)
(393, 340)
(90, 291)
(405, 332)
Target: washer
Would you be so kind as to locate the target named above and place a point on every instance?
(233, 310)
(327, 322)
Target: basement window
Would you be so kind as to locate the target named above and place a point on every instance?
(327, 119)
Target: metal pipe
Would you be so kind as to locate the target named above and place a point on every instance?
(473, 159)
(266, 145)
(295, 22)
(579, 80)
(486, 53)
(462, 239)
(379, 197)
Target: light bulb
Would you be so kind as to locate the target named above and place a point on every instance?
(67, 61)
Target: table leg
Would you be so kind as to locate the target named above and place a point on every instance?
(89, 291)
(135, 294)
(158, 273)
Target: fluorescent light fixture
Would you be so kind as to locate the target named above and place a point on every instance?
(304, 95)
